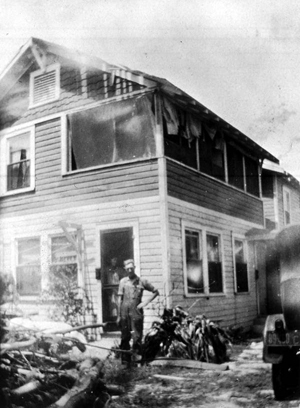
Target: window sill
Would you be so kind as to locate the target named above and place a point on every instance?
(19, 191)
(242, 293)
(107, 166)
(204, 295)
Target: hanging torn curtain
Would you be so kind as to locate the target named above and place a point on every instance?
(171, 117)
(113, 132)
(216, 135)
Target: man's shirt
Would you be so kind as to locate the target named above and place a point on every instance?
(132, 291)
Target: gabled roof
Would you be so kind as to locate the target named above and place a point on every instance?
(35, 51)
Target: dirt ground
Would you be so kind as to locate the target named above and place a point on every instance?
(246, 383)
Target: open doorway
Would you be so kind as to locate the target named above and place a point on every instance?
(116, 245)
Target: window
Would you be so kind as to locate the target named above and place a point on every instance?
(44, 85)
(203, 262)
(214, 263)
(240, 266)
(194, 262)
(64, 258)
(28, 266)
(111, 133)
(286, 206)
(17, 162)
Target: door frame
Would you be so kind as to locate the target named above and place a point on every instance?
(110, 226)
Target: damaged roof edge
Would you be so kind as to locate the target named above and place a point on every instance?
(141, 77)
(171, 89)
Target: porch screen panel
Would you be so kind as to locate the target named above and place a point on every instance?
(235, 167)
(134, 129)
(112, 133)
(252, 180)
(92, 137)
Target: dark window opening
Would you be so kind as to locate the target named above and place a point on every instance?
(211, 156)
(267, 184)
(252, 179)
(235, 167)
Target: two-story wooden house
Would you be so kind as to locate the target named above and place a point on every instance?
(100, 162)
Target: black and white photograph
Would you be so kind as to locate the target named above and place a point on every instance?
(149, 203)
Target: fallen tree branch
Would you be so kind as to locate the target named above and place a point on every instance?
(88, 373)
(18, 345)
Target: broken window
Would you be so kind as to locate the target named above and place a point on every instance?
(19, 160)
(240, 264)
(111, 133)
(29, 266)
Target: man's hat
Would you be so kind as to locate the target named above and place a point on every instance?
(129, 263)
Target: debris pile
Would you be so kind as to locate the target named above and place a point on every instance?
(39, 369)
(179, 335)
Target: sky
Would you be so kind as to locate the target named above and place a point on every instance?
(239, 58)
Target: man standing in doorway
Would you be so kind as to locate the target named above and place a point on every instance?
(130, 310)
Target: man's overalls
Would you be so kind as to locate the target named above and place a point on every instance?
(132, 319)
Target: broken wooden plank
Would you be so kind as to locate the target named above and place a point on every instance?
(162, 362)
(171, 377)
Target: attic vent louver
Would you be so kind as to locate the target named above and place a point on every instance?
(44, 86)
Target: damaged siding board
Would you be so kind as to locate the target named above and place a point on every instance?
(203, 191)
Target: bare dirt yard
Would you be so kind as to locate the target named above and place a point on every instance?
(246, 383)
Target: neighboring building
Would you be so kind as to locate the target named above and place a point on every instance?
(281, 197)
(99, 161)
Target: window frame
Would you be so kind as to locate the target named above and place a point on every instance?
(203, 233)
(33, 75)
(286, 190)
(79, 272)
(16, 264)
(246, 261)
(5, 159)
(66, 143)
